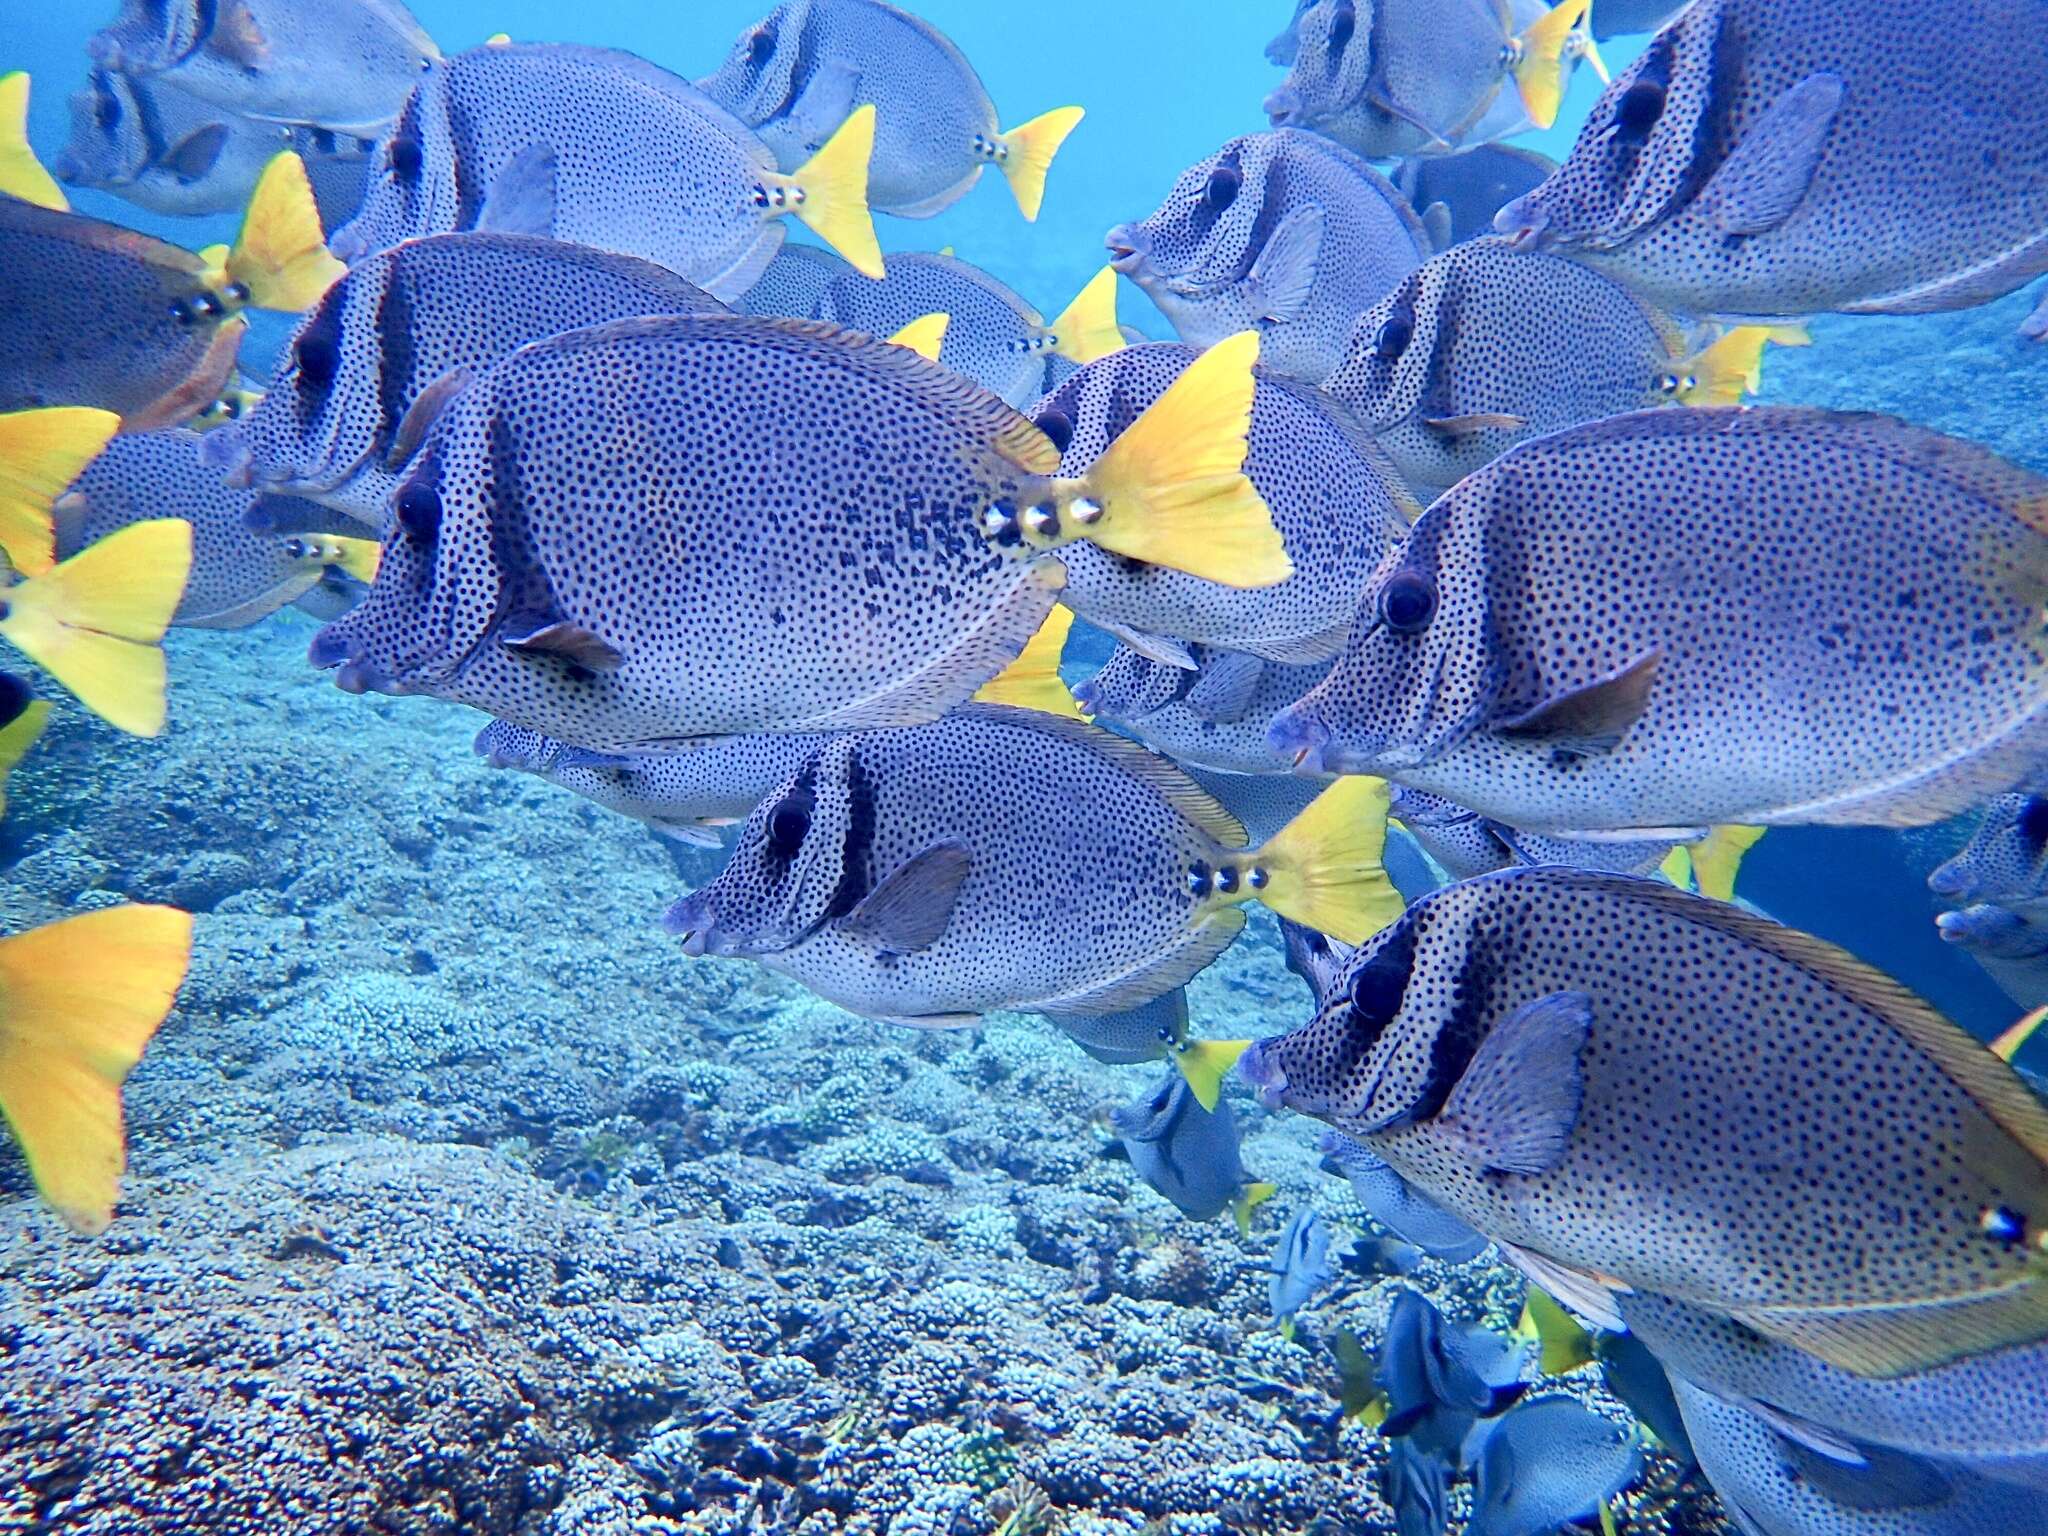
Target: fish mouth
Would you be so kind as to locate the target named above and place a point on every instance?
(1948, 880)
(1128, 249)
(1524, 225)
(694, 920)
(1302, 739)
(1263, 1073)
(1283, 108)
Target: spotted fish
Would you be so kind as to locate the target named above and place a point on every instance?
(1503, 1045)
(660, 592)
(1484, 347)
(1763, 157)
(1679, 618)
(891, 877)
(370, 366)
(604, 149)
(1337, 501)
(2006, 859)
(1214, 716)
(795, 74)
(1471, 186)
(1283, 231)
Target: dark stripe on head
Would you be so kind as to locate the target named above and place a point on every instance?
(396, 386)
(856, 854)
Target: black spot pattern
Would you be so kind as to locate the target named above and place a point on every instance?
(2006, 859)
(1848, 612)
(1334, 497)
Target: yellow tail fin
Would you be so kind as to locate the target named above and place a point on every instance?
(21, 173)
(16, 737)
(1562, 1344)
(1032, 681)
(1582, 46)
(1172, 491)
(79, 1000)
(1723, 373)
(94, 622)
(280, 256)
(42, 452)
(831, 192)
(1204, 1064)
(1025, 155)
(1324, 870)
(2014, 1040)
(925, 335)
(1087, 328)
(1717, 857)
(1249, 1199)
(359, 557)
(1539, 66)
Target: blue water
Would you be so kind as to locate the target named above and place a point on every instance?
(461, 1203)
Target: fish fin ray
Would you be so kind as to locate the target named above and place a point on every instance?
(522, 196)
(280, 256)
(914, 902)
(1086, 329)
(1766, 175)
(1144, 982)
(834, 188)
(1284, 275)
(1030, 147)
(1032, 681)
(1325, 868)
(41, 453)
(1514, 1109)
(1593, 717)
(21, 173)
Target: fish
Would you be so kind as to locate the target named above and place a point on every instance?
(992, 335)
(155, 146)
(1461, 842)
(885, 877)
(23, 719)
(1773, 1485)
(924, 588)
(1441, 1380)
(1263, 803)
(1421, 75)
(240, 574)
(794, 282)
(2012, 946)
(643, 165)
(1485, 346)
(1213, 716)
(1281, 50)
(1547, 1462)
(93, 314)
(793, 75)
(372, 364)
(1502, 1044)
(1416, 1487)
(345, 65)
(1300, 1266)
(1186, 1151)
(1988, 1409)
(1473, 671)
(1335, 497)
(2006, 858)
(79, 1000)
(1283, 231)
(688, 796)
(1760, 159)
(1561, 1341)
(1636, 1378)
(1470, 186)
(1395, 1204)
(1620, 18)
(1379, 1255)
(1156, 1031)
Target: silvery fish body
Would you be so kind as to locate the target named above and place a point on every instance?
(1473, 185)
(888, 877)
(1504, 1043)
(2011, 945)
(687, 795)
(795, 74)
(1391, 1201)
(161, 149)
(1337, 501)
(588, 145)
(658, 593)
(1214, 717)
(993, 337)
(1188, 1153)
(1301, 1263)
(339, 64)
(794, 283)
(1597, 630)
(1546, 1463)
(1763, 157)
(1147, 1032)
(94, 314)
(402, 329)
(1440, 1380)
(1484, 347)
(1416, 1487)
(239, 573)
(1773, 1485)
(2006, 859)
(1281, 231)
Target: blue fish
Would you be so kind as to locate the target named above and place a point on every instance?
(1301, 1266)
(1440, 1381)
(1547, 1463)
(1187, 1153)
(1394, 1203)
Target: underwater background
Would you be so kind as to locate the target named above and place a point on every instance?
(459, 1200)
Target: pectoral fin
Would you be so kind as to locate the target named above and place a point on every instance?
(421, 414)
(1478, 421)
(1223, 693)
(1285, 272)
(1514, 1109)
(825, 103)
(1592, 718)
(1760, 184)
(914, 903)
(572, 642)
(522, 195)
(196, 154)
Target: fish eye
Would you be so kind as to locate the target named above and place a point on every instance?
(1057, 425)
(761, 47)
(419, 511)
(406, 158)
(1396, 331)
(318, 360)
(1342, 24)
(2033, 820)
(1408, 602)
(1221, 191)
(1376, 991)
(788, 825)
(1638, 110)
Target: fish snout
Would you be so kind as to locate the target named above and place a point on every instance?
(1523, 223)
(1283, 106)
(694, 920)
(227, 450)
(1128, 247)
(1301, 737)
(1951, 879)
(348, 245)
(1263, 1073)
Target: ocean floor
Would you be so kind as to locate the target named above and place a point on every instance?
(460, 1201)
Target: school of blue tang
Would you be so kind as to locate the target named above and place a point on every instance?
(1465, 619)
